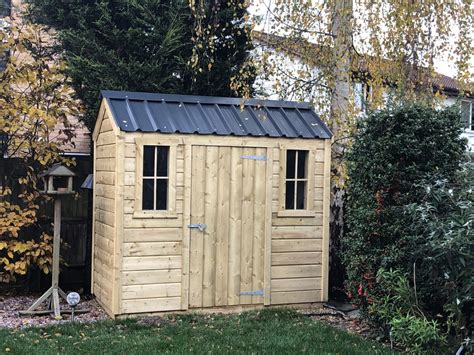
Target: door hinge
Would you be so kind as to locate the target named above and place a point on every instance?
(254, 157)
(252, 293)
(200, 226)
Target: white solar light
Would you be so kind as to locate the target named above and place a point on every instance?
(73, 299)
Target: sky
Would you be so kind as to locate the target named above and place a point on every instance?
(442, 65)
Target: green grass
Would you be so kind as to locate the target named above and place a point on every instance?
(266, 331)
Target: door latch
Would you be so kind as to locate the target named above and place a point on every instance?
(200, 226)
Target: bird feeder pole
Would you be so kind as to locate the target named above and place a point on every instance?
(64, 176)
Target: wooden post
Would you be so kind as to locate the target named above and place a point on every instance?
(53, 293)
(56, 241)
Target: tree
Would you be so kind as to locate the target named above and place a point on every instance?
(35, 103)
(147, 46)
(389, 46)
(119, 45)
(221, 63)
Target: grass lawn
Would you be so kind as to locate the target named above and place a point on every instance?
(269, 331)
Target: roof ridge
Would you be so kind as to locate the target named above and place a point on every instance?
(137, 95)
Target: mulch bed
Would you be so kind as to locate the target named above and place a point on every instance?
(11, 304)
(348, 321)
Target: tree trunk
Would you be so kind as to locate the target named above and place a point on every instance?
(342, 31)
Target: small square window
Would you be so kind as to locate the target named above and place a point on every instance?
(296, 180)
(155, 177)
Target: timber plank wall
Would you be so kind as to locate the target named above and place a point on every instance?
(145, 263)
(104, 213)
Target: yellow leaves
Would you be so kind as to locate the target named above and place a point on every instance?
(34, 106)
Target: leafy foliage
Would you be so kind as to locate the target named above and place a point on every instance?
(220, 61)
(35, 104)
(444, 216)
(392, 222)
(398, 310)
(394, 151)
(417, 335)
(147, 46)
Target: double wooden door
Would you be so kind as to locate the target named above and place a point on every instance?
(227, 226)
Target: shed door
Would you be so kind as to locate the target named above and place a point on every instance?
(228, 196)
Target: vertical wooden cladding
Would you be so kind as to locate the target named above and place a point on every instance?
(228, 195)
(104, 215)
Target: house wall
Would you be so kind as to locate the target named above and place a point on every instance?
(468, 133)
(104, 215)
(154, 252)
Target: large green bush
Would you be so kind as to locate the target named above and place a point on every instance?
(393, 223)
(444, 217)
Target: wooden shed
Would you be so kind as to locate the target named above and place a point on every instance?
(208, 202)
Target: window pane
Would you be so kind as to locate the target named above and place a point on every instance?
(302, 155)
(290, 195)
(301, 195)
(472, 117)
(290, 164)
(161, 194)
(466, 113)
(162, 161)
(148, 160)
(147, 196)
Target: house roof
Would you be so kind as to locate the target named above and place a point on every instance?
(301, 48)
(224, 116)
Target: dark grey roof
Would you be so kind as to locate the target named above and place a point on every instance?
(165, 113)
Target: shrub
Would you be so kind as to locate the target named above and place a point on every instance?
(398, 311)
(410, 208)
(416, 335)
(394, 151)
(444, 216)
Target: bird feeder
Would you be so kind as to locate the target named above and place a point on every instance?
(57, 181)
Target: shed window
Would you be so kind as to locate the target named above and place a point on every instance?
(155, 177)
(296, 179)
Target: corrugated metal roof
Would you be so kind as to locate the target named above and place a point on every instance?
(165, 113)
